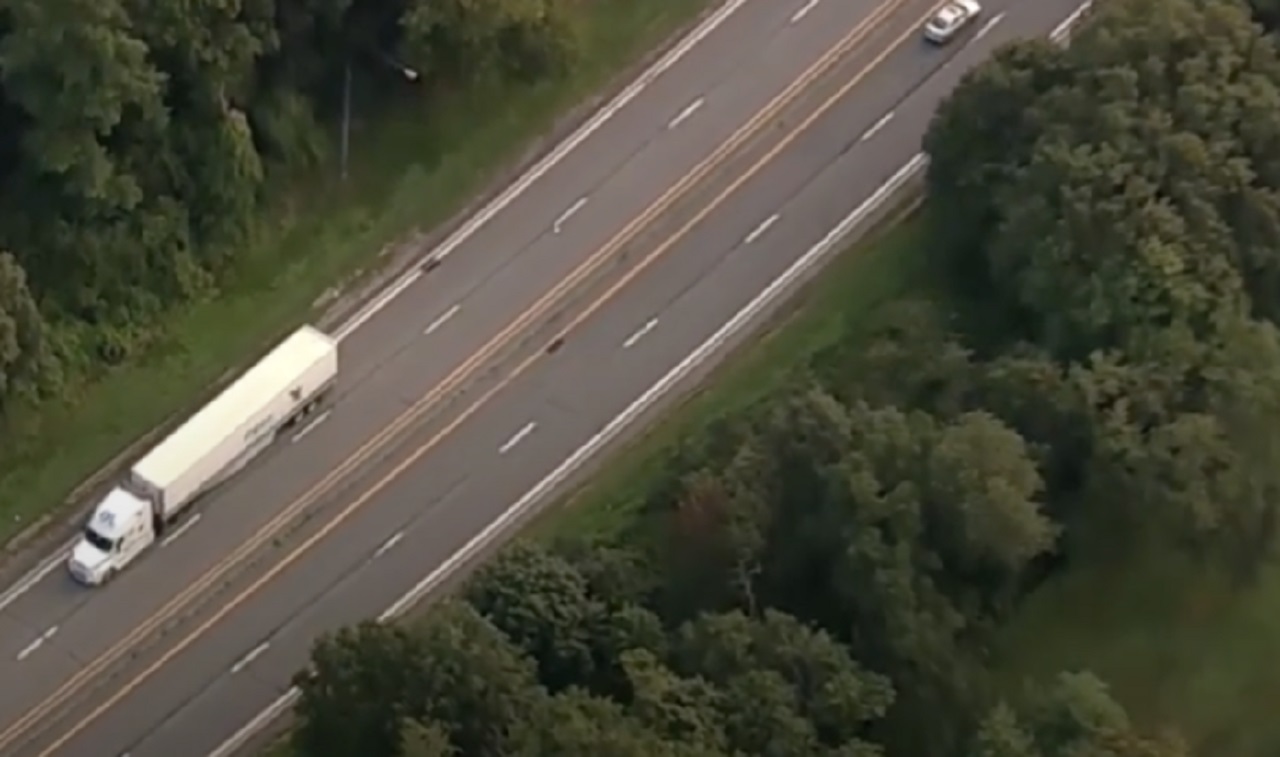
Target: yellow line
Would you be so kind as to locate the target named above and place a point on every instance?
(435, 440)
(378, 441)
(829, 59)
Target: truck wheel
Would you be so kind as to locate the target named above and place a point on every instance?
(108, 576)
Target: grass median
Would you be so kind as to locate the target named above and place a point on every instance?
(409, 170)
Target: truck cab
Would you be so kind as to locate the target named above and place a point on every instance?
(120, 528)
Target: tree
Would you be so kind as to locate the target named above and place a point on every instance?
(1001, 735)
(580, 725)
(1074, 716)
(79, 72)
(1035, 396)
(1185, 441)
(721, 522)
(74, 206)
(617, 573)
(1267, 12)
(843, 534)
(351, 698)
(624, 629)
(455, 674)
(1143, 269)
(684, 710)
(788, 689)
(982, 487)
(982, 137)
(460, 39)
(912, 358)
(22, 331)
(575, 632)
(542, 604)
(475, 683)
(762, 717)
(425, 740)
(141, 138)
(1123, 196)
(827, 569)
(306, 33)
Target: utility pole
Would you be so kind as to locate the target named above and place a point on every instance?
(346, 117)
(408, 73)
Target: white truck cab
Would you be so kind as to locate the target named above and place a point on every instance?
(121, 528)
(218, 440)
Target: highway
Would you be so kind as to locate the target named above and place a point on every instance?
(462, 392)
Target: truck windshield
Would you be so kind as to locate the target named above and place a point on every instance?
(97, 539)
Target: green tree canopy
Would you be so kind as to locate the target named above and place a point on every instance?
(1127, 183)
(22, 337)
(1074, 716)
(141, 137)
(827, 572)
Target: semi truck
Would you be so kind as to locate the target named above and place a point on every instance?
(287, 385)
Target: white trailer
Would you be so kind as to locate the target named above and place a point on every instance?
(289, 383)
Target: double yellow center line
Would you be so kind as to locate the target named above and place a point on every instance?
(459, 376)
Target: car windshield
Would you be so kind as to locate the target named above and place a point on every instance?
(97, 540)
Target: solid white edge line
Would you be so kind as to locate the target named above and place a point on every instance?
(1062, 29)
(473, 224)
(553, 158)
(664, 385)
(290, 696)
(602, 437)
(375, 305)
(36, 574)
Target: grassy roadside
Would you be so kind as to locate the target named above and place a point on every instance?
(411, 169)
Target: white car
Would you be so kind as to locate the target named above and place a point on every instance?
(950, 19)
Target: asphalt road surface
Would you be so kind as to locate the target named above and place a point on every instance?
(626, 255)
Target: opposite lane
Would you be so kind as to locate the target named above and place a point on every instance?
(92, 630)
(443, 480)
(480, 249)
(369, 402)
